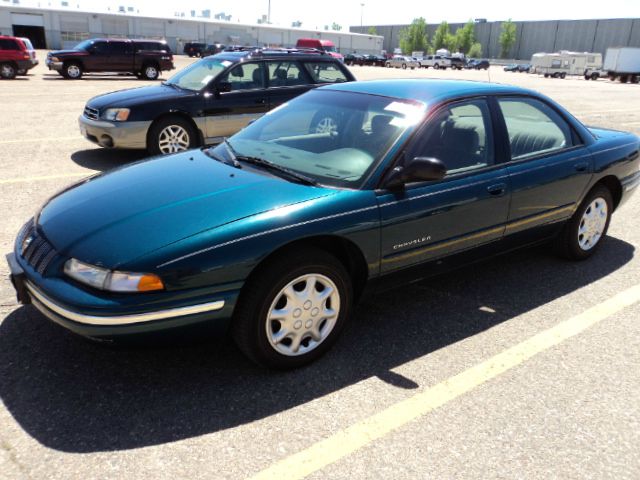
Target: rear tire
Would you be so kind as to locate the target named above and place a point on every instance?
(582, 235)
(171, 134)
(7, 71)
(150, 71)
(595, 76)
(288, 295)
(563, 75)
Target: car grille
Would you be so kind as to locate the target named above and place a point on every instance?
(39, 253)
(91, 113)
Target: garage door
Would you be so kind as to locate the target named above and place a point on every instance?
(27, 19)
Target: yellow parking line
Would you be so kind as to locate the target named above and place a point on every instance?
(45, 177)
(357, 436)
(48, 139)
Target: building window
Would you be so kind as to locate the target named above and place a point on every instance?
(73, 36)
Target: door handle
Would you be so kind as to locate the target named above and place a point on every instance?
(262, 101)
(497, 190)
(581, 166)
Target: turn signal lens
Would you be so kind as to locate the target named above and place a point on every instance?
(149, 283)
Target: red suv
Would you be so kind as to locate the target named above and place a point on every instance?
(16, 56)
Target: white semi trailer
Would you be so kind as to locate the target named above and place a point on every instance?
(622, 63)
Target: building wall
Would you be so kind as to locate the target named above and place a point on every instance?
(64, 29)
(539, 36)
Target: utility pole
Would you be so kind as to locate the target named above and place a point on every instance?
(269, 13)
(361, 10)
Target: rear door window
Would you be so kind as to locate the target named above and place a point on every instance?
(534, 128)
(325, 72)
(8, 44)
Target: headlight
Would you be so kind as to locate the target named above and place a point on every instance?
(54, 59)
(116, 114)
(113, 281)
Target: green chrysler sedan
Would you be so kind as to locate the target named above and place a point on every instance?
(274, 234)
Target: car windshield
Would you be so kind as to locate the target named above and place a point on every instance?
(334, 138)
(197, 75)
(329, 48)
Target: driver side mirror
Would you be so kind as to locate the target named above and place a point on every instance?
(420, 169)
(223, 87)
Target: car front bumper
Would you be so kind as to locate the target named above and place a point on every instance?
(53, 65)
(115, 134)
(110, 326)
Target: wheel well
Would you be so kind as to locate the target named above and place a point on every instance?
(614, 186)
(344, 250)
(77, 62)
(180, 115)
(151, 63)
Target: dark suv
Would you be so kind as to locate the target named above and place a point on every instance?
(194, 49)
(210, 99)
(17, 56)
(143, 58)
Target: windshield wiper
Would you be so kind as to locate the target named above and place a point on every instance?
(233, 162)
(232, 153)
(284, 171)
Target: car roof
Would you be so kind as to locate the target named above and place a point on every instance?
(427, 90)
(271, 55)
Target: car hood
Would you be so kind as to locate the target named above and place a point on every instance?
(134, 96)
(114, 218)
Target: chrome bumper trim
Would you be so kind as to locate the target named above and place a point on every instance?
(46, 302)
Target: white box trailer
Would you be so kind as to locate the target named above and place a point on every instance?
(623, 63)
(561, 64)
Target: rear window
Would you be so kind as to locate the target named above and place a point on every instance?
(152, 46)
(325, 72)
(27, 43)
(8, 44)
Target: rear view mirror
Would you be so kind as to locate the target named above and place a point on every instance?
(420, 169)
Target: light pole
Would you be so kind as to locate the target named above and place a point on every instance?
(361, 10)
(269, 13)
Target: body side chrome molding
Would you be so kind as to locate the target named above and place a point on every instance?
(46, 302)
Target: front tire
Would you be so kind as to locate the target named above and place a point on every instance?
(171, 135)
(582, 235)
(292, 311)
(72, 71)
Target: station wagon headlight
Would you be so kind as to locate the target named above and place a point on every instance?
(116, 114)
(113, 281)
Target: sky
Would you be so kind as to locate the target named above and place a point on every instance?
(317, 14)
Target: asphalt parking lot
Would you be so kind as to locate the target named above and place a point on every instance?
(523, 367)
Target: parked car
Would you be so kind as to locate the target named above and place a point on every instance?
(512, 67)
(194, 49)
(276, 233)
(210, 99)
(478, 64)
(436, 61)
(212, 49)
(374, 60)
(144, 58)
(401, 61)
(524, 67)
(457, 63)
(17, 56)
(326, 46)
(353, 59)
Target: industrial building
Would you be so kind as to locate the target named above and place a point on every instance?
(536, 36)
(64, 28)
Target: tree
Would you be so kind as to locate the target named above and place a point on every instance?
(466, 37)
(336, 27)
(507, 37)
(414, 37)
(475, 51)
(441, 36)
(373, 31)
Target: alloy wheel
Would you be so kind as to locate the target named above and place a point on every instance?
(73, 71)
(173, 138)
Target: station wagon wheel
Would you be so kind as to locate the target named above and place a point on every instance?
(292, 310)
(583, 233)
(7, 71)
(171, 135)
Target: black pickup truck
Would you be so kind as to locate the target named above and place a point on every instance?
(143, 58)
